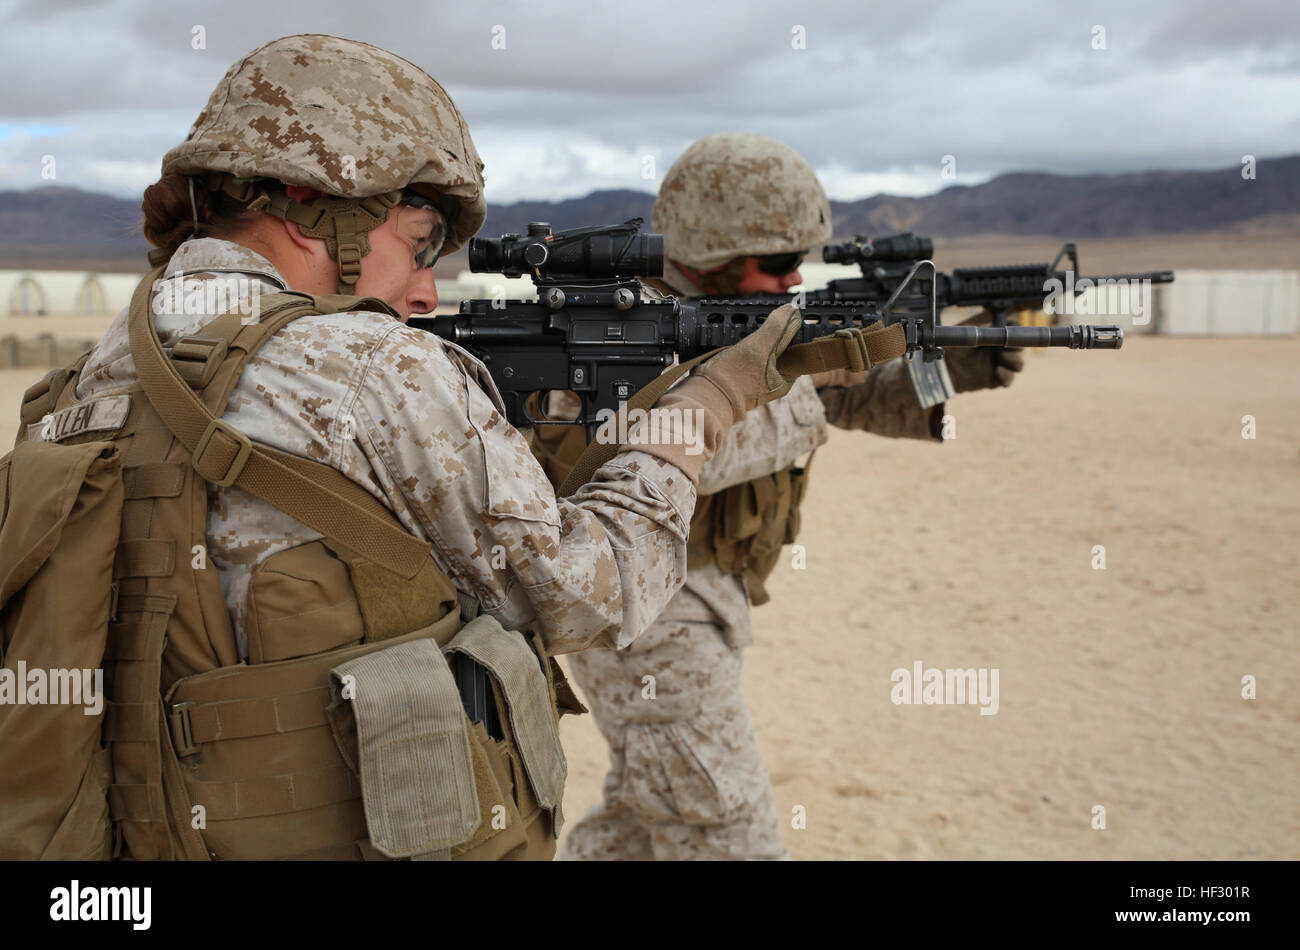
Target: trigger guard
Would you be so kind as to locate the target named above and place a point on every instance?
(541, 408)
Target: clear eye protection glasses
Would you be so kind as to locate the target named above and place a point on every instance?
(421, 224)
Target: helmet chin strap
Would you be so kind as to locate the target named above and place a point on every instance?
(342, 223)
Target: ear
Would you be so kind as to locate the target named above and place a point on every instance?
(303, 194)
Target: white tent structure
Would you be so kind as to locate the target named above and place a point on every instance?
(40, 292)
(1230, 303)
(468, 285)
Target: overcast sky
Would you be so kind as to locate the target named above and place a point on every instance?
(584, 92)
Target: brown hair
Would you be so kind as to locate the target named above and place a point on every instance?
(169, 216)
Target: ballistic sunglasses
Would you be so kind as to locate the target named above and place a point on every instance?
(780, 264)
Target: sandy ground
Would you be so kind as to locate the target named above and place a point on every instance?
(1118, 687)
(1276, 249)
(65, 326)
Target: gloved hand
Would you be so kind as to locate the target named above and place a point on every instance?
(746, 373)
(983, 367)
(725, 387)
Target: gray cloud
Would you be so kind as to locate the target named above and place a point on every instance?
(583, 93)
(1215, 28)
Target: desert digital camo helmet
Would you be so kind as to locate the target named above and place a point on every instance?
(346, 118)
(734, 194)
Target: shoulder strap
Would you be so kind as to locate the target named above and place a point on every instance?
(856, 349)
(204, 359)
(317, 495)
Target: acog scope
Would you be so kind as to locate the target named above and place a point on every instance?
(617, 250)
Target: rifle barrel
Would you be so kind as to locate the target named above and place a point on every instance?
(1075, 336)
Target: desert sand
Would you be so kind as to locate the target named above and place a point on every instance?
(1119, 688)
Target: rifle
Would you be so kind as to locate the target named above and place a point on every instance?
(885, 261)
(593, 331)
(1002, 287)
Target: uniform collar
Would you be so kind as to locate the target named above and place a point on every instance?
(208, 255)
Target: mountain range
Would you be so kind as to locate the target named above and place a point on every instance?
(59, 226)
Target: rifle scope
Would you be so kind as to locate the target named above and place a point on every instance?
(617, 250)
(895, 247)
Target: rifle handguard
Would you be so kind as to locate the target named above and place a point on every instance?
(856, 349)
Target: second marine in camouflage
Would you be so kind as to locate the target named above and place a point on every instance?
(686, 777)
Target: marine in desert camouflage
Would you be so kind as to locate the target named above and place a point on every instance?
(686, 777)
(323, 164)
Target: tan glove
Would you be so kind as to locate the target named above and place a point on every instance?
(728, 385)
(983, 367)
(746, 373)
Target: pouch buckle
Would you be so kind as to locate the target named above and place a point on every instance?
(181, 730)
(197, 359)
(855, 347)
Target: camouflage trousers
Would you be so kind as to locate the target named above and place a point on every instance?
(686, 778)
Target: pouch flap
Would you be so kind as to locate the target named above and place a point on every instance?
(518, 672)
(417, 774)
(44, 481)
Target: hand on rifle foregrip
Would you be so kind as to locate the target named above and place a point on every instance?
(746, 372)
(724, 388)
(983, 367)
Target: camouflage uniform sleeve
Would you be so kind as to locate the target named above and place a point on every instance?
(769, 439)
(879, 401)
(591, 570)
